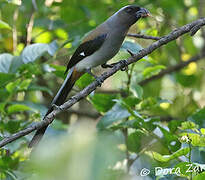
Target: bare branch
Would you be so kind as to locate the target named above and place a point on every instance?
(31, 22)
(90, 88)
(83, 113)
(15, 17)
(171, 69)
(142, 36)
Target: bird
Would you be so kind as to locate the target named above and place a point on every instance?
(99, 46)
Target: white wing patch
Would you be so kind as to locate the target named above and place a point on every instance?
(82, 54)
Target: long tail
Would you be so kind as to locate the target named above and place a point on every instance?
(58, 100)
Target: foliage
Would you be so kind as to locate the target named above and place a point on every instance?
(159, 124)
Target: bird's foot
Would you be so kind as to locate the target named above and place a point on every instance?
(112, 65)
(125, 63)
(107, 65)
(56, 107)
(98, 79)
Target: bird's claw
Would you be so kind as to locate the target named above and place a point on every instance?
(125, 64)
(99, 80)
(56, 107)
(107, 65)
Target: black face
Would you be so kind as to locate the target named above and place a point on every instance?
(137, 11)
(129, 15)
(132, 9)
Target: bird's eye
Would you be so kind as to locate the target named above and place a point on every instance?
(129, 10)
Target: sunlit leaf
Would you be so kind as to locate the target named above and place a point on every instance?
(166, 158)
(196, 139)
(4, 25)
(200, 176)
(17, 108)
(149, 71)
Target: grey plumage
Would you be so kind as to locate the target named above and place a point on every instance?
(99, 46)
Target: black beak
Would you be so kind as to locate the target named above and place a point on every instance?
(143, 13)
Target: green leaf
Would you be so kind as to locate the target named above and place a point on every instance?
(198, 117)
(15, 64)
(5, 62)
(188, 125)
(52, 48)
(132, 112)
(173, 125)
(40, 88)
(84, 81)
(150, 71)
(166, 158)
(58, 70)
(200, 176)
(202, 131)
(183, 166)
(24, 84)
(18, 85)
(4, 25)
(131, 101)
(17, 108)
(2, 106)
(102, 102)
(35, 51)
(133, 47)
(59, 125)
(196, 139)
(12, 126)
(190, 169)
(116, 114)
(186, 80)
(136, 140)
(152, 32)
(12, 86)
(137, 90)
(5, 78)
(171, 140)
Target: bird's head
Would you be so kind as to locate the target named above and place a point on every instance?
(131, 13)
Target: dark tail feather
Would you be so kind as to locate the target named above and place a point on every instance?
(58, 100)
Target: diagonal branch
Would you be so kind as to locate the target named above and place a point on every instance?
(90, 88)
(142, 36)
(171, 69)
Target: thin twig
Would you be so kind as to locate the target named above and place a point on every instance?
(31, 23)
(86, 114)
(142, 36)
(172, 69)
(125, 130)
(90, 88)
(15, 17)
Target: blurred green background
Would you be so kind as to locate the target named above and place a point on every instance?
(158, 123)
